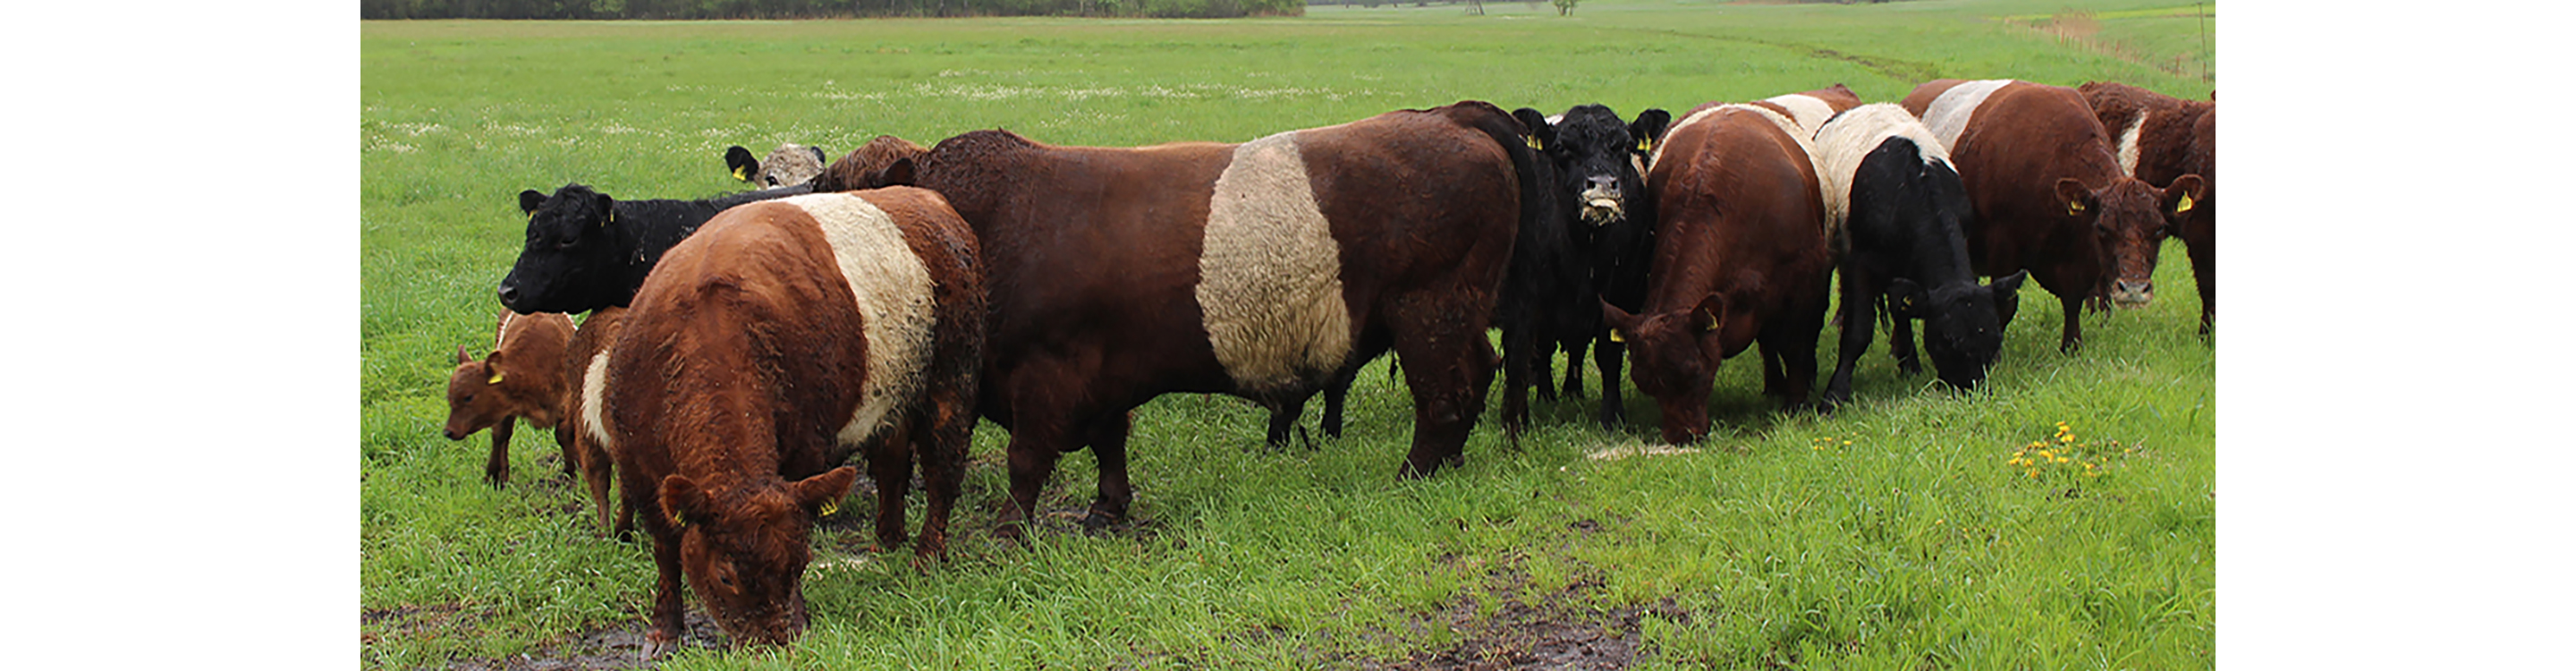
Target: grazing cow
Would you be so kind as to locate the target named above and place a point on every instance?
(788, 165)
(853, 169)
(762, 353)
(2049, 194)
(586, 250)
(1740, 257)
(2162, 138)
(1261, 270)
(1598, 181)
(523, 378)
(1897, 216)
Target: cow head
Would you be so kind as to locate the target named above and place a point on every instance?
(743, 548)
(575, 259)
(2129, 220)
(788, 165)
(1676, 354)
(1597, 157)
(475, 400)
(1963, 323)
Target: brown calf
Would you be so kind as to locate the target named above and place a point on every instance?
(2049, 194)
(523, 378)
(758, 356)
(1740, 257)
(2162, 138)
(1259, 270)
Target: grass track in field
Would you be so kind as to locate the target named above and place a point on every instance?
(1915, 543)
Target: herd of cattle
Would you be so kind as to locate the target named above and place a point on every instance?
(739, 349)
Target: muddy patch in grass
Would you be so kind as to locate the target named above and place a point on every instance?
(615, 647)
(1558, 631)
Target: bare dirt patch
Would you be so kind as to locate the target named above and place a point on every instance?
(616, 647)
(1557, 631)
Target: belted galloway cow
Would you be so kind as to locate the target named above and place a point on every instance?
(1261, 269)
(756, 358)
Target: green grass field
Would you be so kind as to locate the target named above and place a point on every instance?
(1893, 534)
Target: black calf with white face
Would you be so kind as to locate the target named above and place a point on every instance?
(1601, 187)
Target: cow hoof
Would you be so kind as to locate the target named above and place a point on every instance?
(658, 644)
(1096, 520)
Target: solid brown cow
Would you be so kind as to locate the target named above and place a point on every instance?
(2049, 193)
(2162, 138)
(1740, 257)
(523, 378)
(758, 355)
(1259, 270)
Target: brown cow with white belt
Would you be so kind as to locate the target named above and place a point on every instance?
(2049, 193)
(2162, 138)
(759, 354)
(1262, 270)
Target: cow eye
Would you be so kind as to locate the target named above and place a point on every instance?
(568, 242)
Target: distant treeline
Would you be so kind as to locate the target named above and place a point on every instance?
(810, 9)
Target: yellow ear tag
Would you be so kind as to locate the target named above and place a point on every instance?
(2184, 206)
(1709, 324)
(830, 507)
(2074, 208)
(1534, 143)
(496, 378)
(612, 218)
(1646, 145)
(1615, 337)
(678, 521)
(742, 174)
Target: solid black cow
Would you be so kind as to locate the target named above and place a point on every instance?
(586, 250)
(1898, 217)
(1599, 185)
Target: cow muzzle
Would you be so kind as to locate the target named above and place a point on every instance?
(2129, 295)
(1602, 205)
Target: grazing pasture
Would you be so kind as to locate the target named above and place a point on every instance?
(1916, 527)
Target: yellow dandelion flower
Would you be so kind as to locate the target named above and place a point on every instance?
(1846, 443)
(2034, 474)
(2044, 454)
(2061, 460)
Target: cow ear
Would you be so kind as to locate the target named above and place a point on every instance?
(1541, 134)
(2077, 199)
(529, 200)
(605, 204)
(1905, 299)
(821, 495)
(1709, 314)
(1621, 323)
(2184, 194)
(2006, 292)
(740, 161)
(1649, 127)
(819, 158)
(683, 501)
(492, 363)
(461, 357)
(898, 174)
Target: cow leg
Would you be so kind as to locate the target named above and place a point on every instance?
(1773, 380)
(666, 624)
(1108, 439)
(1444, 355)
(2072, 336)
(1520, 337)
(496, 469)
(1037, 440)
(1795, 347)
(1543, 367)
(2204, 272)
(1574, 367)
(1606, 354)
(571, 452)
(1858, 323)
(890, 464)
(947, 428)
(1900, 344)
(1337, 397)
(1283, 420)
